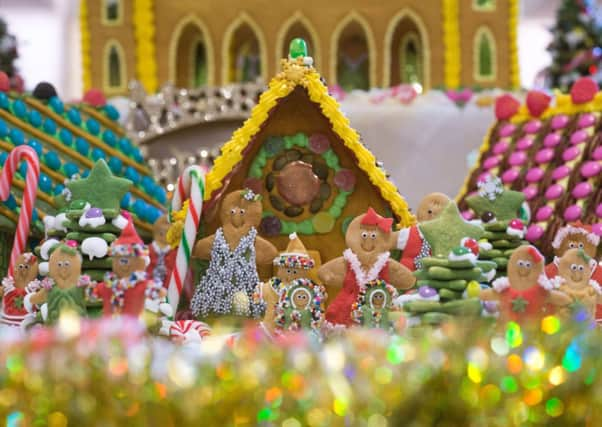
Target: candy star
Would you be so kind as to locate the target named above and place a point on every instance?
(519, 305)
(101, 189)
(445, 232)
(504, 206)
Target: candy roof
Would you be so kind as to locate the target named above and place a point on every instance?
(69, 139)
(550, 152)
(297, 74)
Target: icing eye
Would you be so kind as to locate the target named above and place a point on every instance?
(430, 212)
(233, 211)
(521, 263)
(581, 268)
(123, 261)
(572, 245)
(373, 236)
(364, 235)
(242, 211)
(26, 267)
(294, 271)
(528, 264)
(573, 267)
(288, 271)
(66, 263)
(60, 263)
(581, 245)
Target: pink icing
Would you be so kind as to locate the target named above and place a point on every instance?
(544, 155)
(578, 137)
(544, 213)
(524, 143)
(507, 130)
(597, 229)
(586, 120)
(491, 162)
(510, 175)
(533, 126)
(467, 215)
(534, 175)
(582, 190)
(500, 147)
(534, 233)
(572, 213)
(551, 140)
(558, 122)
(570, 153)
(590, 169)
(561, 172)
(554, 191)
(518, 158)
(530, 192)
(599, 210)
(597, 154)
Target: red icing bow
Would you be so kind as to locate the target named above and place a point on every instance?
(535, 254)
(372, 218)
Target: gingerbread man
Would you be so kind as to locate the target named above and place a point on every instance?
(366, 258)
(14, 290)
(162, 255)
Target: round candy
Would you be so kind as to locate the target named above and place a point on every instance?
(533, 126)
(500, 147)
(58, 189)
(19, 109)
(524, 143)
(597, 154)
(23, 169)
(3, 157)
(70, 169)
(109, 137)
(560, 121)
(137, 155)
(544, 155)
(535, 175)
(517, 158)
(115, 165)
(147, 184)
(323, 222)
(111, 112)
(45, 183)
(49, 126)
(582, 190)
(66, 137)
(85, 173)
(570, 153)
(551, 140)
(52, 160)
(74, 116)
(319, 143)
(36, 146)
(490, 306)
(507, 130)
(35, 118)
(93, 126)
(561, 172)
(599, 210)
(345, 179)
(82, 146)
(4, 101)
(16, 136)
(586, 120)
(534, 233)
(510, 175)
(467, 215)
(590, 169)
(487, 217)
(125, 201)
(125, 146)
(578, 137)
(426, 292)
(298, 48)
(160, 194)
(554, 191)
(56, 104)
(140, 208)
(530, 192)
(132, 174)
(491, 162)
(270, 226)
(3, 129)
(11, 202)
(544, 213)
(572, 213)
(97, 154)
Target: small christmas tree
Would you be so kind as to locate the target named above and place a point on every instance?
(576, 46)
(8, 53)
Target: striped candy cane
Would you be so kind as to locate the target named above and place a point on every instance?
(22, 152)
(191, 186)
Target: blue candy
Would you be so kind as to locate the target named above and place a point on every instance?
(52, 160)
(49, 126)
(74, 116)
(19, 109)
(132, 174)
(115, 165)
(36, 146)
(125, 201)
(11, 203)
(35, 118)
(93, 126)
(56, 104)
(3, 129)
(111, 112)
(138, 155)
(140, 208)
(147, 184)
(16, 136)
(109, 137)
(23, 169)
(160, 195)
(45, 183)
(82, 146)
(70, 169)
(58, 189)
(3, 157)
(97, 154)
(125, 146)
(4, 101)
(66, 137)
(85, 173)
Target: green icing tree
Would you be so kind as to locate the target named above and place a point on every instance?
(8, 50)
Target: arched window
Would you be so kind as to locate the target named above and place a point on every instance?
(483, 5)
(485, 62)
(190, 54)
(411, 59)
(112, 12)
(114, 68)
(199, 64)
(353, 58)
(245, 64)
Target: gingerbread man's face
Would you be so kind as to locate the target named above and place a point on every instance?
(239, 212)
(575, 269)
(124, 266)
(523, 269)
(431, 206)
(26, 270)
(300, 298)
(367, 239)
(576, 241)
(160, 228)
(377, 299)
(65, 268)
(288, 274)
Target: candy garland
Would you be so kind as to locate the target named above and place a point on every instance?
(191, 187)
(22, 152)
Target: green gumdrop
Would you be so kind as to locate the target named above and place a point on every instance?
(335, 211)
(288, 227)
(255, 171)
(300, 140)
(340, 201)
(305, 227)
(297, 48)
(331, 159)
(289, 141)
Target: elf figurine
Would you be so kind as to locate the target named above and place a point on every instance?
(162, 255)
(15, 289)
(523, 295)
(367, 258)
(64, 289)
(373, 305)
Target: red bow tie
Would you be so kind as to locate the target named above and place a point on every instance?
(372, 218)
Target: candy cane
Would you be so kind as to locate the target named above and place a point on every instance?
(191, 186)
(22, 152)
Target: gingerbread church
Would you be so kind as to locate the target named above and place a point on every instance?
(449, 43)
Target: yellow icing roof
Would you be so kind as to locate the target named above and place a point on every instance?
(296, 74)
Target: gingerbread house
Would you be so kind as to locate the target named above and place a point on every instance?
(298, 151)
(550, 152)
(193, 43)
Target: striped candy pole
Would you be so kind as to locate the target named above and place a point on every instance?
(22, 152)
(190, 186)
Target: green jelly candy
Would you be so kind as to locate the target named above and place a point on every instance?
(421, 275)
(444, 262)
(323, 222)
(497, 226)
(505, 244)
(449, 294)
(305, 227)
(486, 266)
(103, 263)
(297, 48)
(489, 254)
(454, 285)
(335, 211)
(501, 262)
(443, 273)
(464, 307)
(435, 318)
(421, 306)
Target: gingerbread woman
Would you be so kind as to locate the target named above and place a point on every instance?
(14, 290)
(162, 255)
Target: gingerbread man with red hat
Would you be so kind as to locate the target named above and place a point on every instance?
(15, 288)
(367, 258)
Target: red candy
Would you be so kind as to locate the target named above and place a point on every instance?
(584, 90)
(506, 106)
(537, 103)
(471, 244)
(345, 179)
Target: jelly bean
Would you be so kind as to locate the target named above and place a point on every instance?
(97, 154)
(507, 130)
(518, 158)
(561, 172)
(82, 146)
(93, 126)
(535, 175)
(49, 126)
(510, 175)
(52, 160)
(551, 140)
(491, 162)
(586, 120)
(36, 146)
(500, 147)
(572, 213)
(544, 213)
(66, 137)
(16, 136)
(530, 192)
(582, 190)
(533, 126)
(560, 121)
(524, 143)
(534, 233)
(570, 153)
(35, 118)
(590, 169)
(544, 155)
(74, 116)
(56, 104)
(554, 191)
(579, 136)
(19, 109)
(45, 183)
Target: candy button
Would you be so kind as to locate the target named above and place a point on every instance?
(570, 153)
(597, 154)
(524, 143)
(544, 155)
(561, 172)
(507, 130)
(590, 169)
(491, 162)
(586, 120)
(554, 191)
(500, 147)
(559, 122)
(599, 211)
(530, 192)
(323, 222)
(551, 140)
(518, 158)
(533, 126)
(534, 233)
(544, 213)
(582, 190)
(572, 213)
(510, 175)
(534, 175)
(578, 137)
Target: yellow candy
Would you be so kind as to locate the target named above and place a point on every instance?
(323, 222)
(473, 289)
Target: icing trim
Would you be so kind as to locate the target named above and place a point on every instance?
(402, 238)
(362, 277)
(596, 286)
(547, 284)
(501, 284)
(569, 229)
